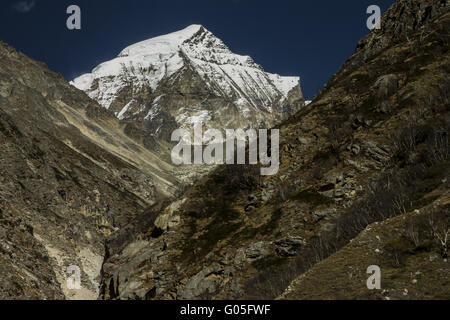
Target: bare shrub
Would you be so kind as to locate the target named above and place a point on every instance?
(439, 222)
(413, 234)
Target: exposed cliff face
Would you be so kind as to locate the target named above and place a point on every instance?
(69, 177)
(371, 148)
(188, 76)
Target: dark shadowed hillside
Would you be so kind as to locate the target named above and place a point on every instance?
(364, 180)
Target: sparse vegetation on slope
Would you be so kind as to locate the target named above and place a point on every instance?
(371, 148)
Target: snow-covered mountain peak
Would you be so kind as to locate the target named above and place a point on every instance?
(185, 71)
(148, 61)
(165, 43)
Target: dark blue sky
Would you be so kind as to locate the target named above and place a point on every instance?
(290, 37)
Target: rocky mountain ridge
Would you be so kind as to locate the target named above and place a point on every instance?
(176, 80)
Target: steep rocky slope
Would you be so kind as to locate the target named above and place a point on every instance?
(364, 179)
(69, 177)
(410, 198)
(188, 76)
